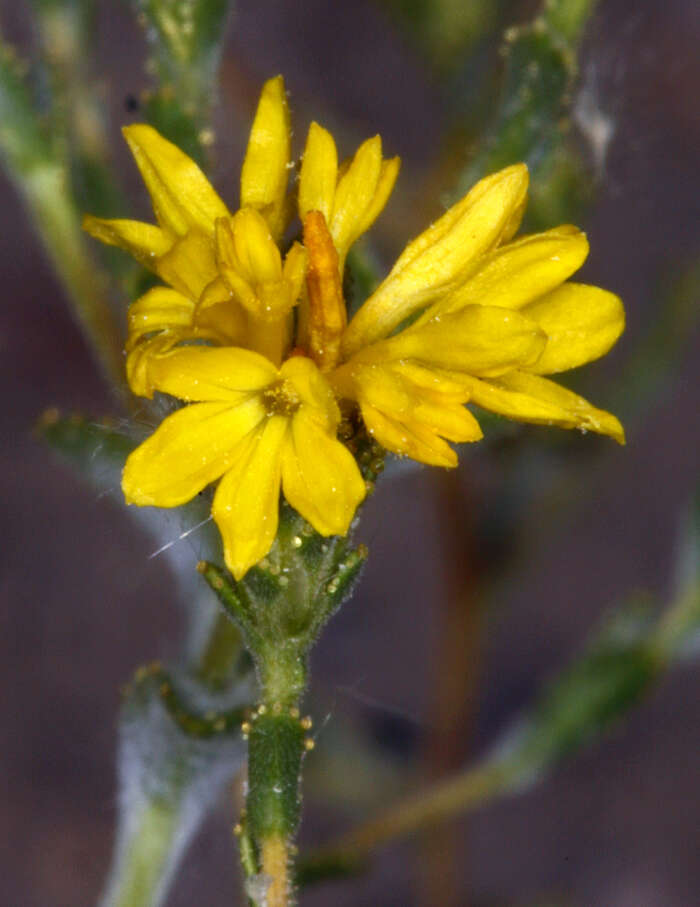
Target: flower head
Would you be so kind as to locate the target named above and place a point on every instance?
(491, 316)
(253, 335)
(256, 427)
(191, 246)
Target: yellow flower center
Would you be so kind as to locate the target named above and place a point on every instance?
(281, 399)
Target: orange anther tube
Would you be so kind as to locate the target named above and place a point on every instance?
(327, 313)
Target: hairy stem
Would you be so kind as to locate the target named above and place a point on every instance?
(275, 862)
(273, 805)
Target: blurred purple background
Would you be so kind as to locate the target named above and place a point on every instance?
(84, 605)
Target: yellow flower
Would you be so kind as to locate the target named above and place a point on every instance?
(185, 247)
(257, 428)
(491, 318)
(260, 421)
(467, 314)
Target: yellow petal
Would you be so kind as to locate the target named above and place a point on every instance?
(214, 293)
(319, 173)
(246, 503)
(437, 384)
(530, 398)
(265, 171)
(294, 269)
(437, 404)
(144, 241)
(201, 373)
(190, 449)
(408, 439)
(519, 273)
(513, 224)
(256, 251)
(478, 340)
(409, 410)
(382, 389)
(231, 269)
(157, 310)
(497, 195)
(312, 389)
(251, 267)
(582, 323)
(355, 192)
(181, 194)
(141, 357)
(320, 477)
(451, 421)
(441, 258)
(176, 320)
(189, 266)
(223, 322)
(385, 185)
(390, 392)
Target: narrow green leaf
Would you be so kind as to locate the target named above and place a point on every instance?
(169, 776)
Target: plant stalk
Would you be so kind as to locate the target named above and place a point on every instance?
(142, 877)
(426, 810)
(276, 747)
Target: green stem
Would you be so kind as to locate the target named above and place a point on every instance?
(569, 17)
(540, 70)
(282, 675)
(66, 31)
(220, 659)
(275, 750)
(423, 811)
(56, 221)
(140, 876)
(678, 623)
(280, 606)
(37, 165)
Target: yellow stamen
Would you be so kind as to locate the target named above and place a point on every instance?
(280, 399)
(327, 314)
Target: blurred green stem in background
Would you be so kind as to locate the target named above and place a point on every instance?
(662, 347)
(619, 667)
(445, 30)
(184, 39)
(568, 18)
(532, 118)
(145, 857)
(66, 29)
(35, 162)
